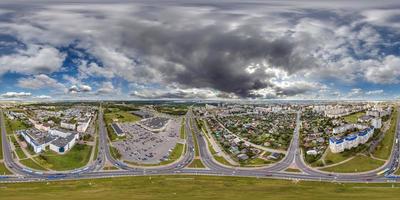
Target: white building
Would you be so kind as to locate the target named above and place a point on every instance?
(37, 139)
(83, 125)
(68, 126)
(63, 144)
(376, 122)
(346, 127)
(339, 144)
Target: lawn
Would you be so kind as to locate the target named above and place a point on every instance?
(15, 125)
(359, 163)
(18, 149)
(384, 148)
(332, 158)
(3, 169)
(353, 117)
(197, 163)
(196, 187)
(255, 162)
(31, 164)
(77, 157)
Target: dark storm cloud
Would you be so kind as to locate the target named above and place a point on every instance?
(213, 56)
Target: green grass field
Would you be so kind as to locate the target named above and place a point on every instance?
(77, 157)
(3, 169)
(384, 148)
(121, 116)
(196, 187)
(332, 158)
(256, 162)
(31, 164)
(357, 164)
(353, 117)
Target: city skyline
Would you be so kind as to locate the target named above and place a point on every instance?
(130, 50)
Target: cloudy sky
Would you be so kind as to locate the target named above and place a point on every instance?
(199, 49)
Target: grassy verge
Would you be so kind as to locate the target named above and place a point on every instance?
(384, 148)
(31, 164)
(182, 131)
(110, 168)
(196, 187)
(292, 170)
(77, 157)
(196, 164)
(114, 152)
(3, 169)
(359, 163)
(196, 145)
(18, 150)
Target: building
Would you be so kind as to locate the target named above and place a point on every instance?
(37, 139)
(59, 141)
(339, 144)
(83, 125)
(346, 127)
(117, 129)
(336, 144)
(63, 144)
(376, 123)
(154, 124)
(312, 152)
(67, 125)
(142, 114)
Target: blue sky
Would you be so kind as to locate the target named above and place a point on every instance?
(199, 50)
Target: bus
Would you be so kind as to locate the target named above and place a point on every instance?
(383, 171)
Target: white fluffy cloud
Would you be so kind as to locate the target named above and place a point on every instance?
(40, 81)
(384, 72)
(36, 59)
(107, 88)
(16, 94)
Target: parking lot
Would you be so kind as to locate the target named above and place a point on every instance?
(143, 146)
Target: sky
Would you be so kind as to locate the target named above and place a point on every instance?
(199, 49)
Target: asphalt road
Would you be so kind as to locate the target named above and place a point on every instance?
(293, 157)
